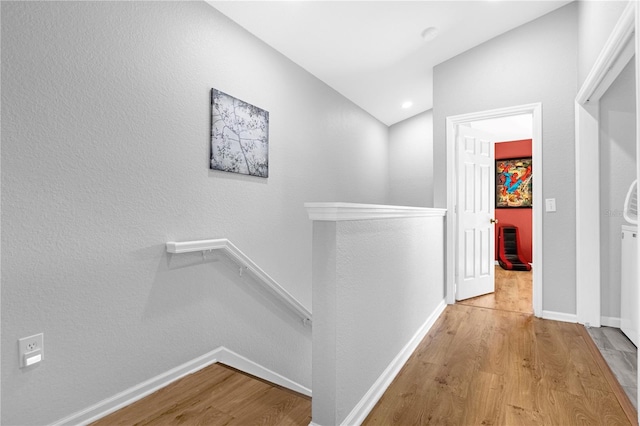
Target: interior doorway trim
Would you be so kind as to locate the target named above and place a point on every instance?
(615, 55)
(452, 124)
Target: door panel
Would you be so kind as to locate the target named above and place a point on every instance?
(476, 197)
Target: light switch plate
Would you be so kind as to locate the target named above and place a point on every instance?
(550, 204)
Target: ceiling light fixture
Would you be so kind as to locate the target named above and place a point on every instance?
(429, 33)
(407, 104)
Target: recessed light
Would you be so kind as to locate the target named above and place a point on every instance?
(429, 34)
(407, 104)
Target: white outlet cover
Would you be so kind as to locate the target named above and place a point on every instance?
(28, 345)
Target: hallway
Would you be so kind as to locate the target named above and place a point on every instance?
(486, 366)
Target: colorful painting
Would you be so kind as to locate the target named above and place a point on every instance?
(513, 183)
(239, 136)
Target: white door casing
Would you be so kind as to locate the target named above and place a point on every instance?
(615, 55)
(476, 206)
(453, 122)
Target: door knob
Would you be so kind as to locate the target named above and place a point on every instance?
(494, 220)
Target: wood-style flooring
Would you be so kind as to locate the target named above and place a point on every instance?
(216, 395)
(482, 366)
(513, 292)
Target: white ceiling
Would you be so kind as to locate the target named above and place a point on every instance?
(372, 52)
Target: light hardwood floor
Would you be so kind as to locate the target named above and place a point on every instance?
(514, 291)
(491, 367)
(216, 395)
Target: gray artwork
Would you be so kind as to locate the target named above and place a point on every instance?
(239, 136)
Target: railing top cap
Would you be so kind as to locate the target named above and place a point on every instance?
(339, 211)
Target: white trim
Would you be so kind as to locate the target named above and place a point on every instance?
(599, 78)
(614, 56)
(452, 123)
(351, 211)
(232, 359)
(559, 316)
(135, 393)
(373, 395)
(637, 45)
(610, 322)
(246, 264)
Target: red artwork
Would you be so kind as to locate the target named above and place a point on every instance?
(513, 183)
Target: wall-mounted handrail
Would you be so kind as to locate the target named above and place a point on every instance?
(246, 264)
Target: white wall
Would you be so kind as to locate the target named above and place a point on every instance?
(105, 133)
(411, 161)
(596, 20)
(536, 62)
(375, 284)
(617, 171)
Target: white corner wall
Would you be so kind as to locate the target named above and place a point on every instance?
(378, 285)
(617, 171)
(536, 62)
(411, 161)
(105, 146)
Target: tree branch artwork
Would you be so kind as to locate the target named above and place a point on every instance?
(239, 136)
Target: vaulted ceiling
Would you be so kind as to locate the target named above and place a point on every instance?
(373, 52)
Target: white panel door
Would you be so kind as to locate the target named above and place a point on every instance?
(476, 207)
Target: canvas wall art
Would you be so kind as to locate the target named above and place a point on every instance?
(239, 136)
(513, 183)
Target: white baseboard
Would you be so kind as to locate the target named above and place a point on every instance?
(373, 395)
(610, 322)
(133, 394)
(241, 363)
(559, 316)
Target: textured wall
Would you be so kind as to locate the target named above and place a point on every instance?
(375, 284)
(536, 62)
(617, 171)
(411, 161)
(105, 132)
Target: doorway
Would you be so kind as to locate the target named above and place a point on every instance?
(512, 287)
(533, 113)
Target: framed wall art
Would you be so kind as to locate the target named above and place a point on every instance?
(513, 183)
(239, 136)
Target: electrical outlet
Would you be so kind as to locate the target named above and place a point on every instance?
(31, 350)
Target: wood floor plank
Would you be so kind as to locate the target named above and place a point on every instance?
(513, 292)
(524, 367)
(215, 395)
(546, 377)
(485, 400)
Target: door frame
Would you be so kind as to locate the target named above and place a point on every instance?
(452, 124)
(615, 55)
